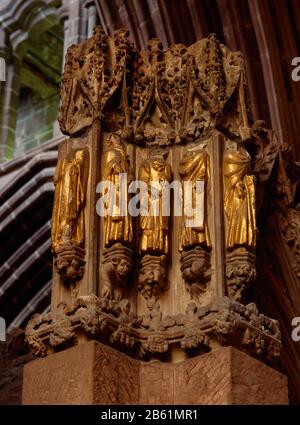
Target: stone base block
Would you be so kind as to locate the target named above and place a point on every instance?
(93, 373)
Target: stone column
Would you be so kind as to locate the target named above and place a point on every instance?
(80, 19)
(8, 106)
(92, 19)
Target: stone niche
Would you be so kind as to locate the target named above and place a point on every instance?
(167, 289)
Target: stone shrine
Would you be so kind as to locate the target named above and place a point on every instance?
(145, 305)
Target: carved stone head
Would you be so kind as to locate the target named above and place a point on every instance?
(152, 276)
(69, 261)
(122, 267)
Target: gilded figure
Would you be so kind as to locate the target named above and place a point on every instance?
(194, 167)
(70, 182)
(117, 224)
(239, 200)
(155, 172)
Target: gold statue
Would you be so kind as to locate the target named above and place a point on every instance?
(194, 167)
(155, 225)
(70, 182)
(117, 227)
(239, 200)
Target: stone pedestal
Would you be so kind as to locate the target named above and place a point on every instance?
(93, 373)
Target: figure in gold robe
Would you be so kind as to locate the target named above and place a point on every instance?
(70, 182)
(239, 200)
(155, 225)
(194, 167)
(117, 225)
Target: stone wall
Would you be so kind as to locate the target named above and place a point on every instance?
(35, 120)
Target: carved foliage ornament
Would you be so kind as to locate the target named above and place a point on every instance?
(223, 320)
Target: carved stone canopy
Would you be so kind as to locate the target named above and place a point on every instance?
(154, 96)
(153, 283)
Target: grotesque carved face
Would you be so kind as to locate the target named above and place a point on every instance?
(155, 275)
(69, 268)
(197, 268)
(123, 268)
(70, 272)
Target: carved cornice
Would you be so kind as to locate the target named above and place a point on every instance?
(222, 322)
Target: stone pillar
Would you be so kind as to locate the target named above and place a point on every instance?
(8, 99)
(92, 19)
(8, 106)
(79, 21)
(93, 373)
(157, 287)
